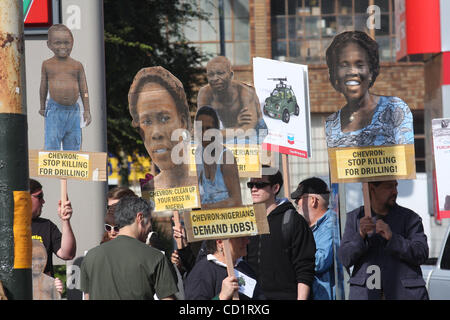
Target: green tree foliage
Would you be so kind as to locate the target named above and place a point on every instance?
(138, 34)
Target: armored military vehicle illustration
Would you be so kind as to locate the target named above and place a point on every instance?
(282, 101)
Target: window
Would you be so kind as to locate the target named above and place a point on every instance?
(302, 30)
(206, 34)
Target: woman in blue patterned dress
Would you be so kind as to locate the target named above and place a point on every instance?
(367, 119)
(217, 172)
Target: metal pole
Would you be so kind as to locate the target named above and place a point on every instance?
(221, 28)
(15, 201)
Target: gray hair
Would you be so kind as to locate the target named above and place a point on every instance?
(325, 200)
(127, 208)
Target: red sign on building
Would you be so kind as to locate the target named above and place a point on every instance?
(37, 13)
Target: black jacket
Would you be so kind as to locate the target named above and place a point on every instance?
(280, 268)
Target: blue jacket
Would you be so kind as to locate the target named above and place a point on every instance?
(323, 287)
(398, 259)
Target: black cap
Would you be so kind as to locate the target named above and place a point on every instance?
(310, 185)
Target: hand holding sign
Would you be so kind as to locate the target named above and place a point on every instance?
(366, 226)
(230, 286)
(65, 211)
(383, 229)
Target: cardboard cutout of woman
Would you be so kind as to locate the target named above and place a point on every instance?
(217, 172)
(158, 106)
(367, 119)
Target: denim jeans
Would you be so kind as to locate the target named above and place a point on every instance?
(62, 125)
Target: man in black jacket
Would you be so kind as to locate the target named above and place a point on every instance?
(283, 260)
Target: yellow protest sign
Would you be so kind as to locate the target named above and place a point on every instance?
(180, 198)
(68, 165)
(63, 164)
(247, 159)
(225, 223)
(364, 164)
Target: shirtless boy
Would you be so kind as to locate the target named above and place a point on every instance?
(64, 79)
(235, 102)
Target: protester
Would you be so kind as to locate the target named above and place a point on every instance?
(367, 119)
(114, 195)
(63, 244)
(138, 271)
(283, 259)
(209, 278)
(385, 249)
(312, 199)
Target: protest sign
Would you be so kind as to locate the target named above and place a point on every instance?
(181, 198)
(78, 165)
(373, 163)
(283, 93)
(226, 223)
(441, 147)
(247, 159)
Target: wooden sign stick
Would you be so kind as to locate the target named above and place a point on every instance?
(229, 261)
(176, 220)
(63, 192)
(367, 209)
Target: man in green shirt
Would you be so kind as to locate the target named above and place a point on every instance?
(125, 267)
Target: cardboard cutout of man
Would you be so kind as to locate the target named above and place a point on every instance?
(235, 102)
(63, 81)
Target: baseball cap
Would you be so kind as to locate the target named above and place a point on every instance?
(310, 185)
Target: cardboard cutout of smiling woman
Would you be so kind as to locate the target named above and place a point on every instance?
(367, 119)
(63, 88)
(158, 106)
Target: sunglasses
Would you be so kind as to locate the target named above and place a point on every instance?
(109, 228)
(258, 185)
(39, 196)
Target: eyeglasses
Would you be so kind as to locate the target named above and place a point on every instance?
(39, 196)
(258, 185)
(109, 228)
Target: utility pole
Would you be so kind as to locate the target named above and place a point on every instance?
(15, 201)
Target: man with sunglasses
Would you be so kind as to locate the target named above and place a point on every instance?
(283, 259)
(63, 244)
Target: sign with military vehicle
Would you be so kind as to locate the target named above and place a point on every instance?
(283, 94)
(282, 102)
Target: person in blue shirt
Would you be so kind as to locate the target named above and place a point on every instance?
(312, 199)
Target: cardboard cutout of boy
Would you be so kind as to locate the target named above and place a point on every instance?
(63, 81)
(43, 285)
